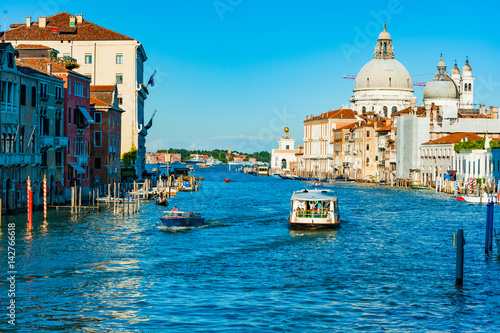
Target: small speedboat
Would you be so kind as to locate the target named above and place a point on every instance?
(160, 201)
(181, 219)
(476, 199)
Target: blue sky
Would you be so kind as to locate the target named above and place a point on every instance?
(235, 72)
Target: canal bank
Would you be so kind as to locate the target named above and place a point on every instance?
(390, 266)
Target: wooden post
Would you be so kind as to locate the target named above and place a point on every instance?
(97, 201)
(109, 192)
(459, 278)
(488, 246)
(79, 199)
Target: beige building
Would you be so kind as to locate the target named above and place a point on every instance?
(106, 56)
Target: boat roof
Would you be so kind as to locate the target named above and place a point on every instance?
(314, 195)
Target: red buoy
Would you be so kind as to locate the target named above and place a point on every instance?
(227, 180)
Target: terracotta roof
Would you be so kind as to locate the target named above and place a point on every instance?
(40, 64)
(336, 114)
(347, 127)
(97, 102)
(385, 128)
(454, 138)
(102, 88)
(58, 28)
(32, 46)
(25, 69)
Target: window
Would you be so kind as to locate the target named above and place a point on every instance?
(97, 164)
(69, 115)
(119, 78)
(69, 86)
(367, 82)
(88, 58)
(98, 117)
(287, 147)
(59, 94)
(119, 58)
(97, 139)
(33, 96)
(23, 95)
(10, 59)
(120, 100)
(390, 83)
(69, 146)
(394, 109)
(367, 133)
(58, 158)
(367, 146)
(385, 111)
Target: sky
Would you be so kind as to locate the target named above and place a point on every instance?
(234, 73)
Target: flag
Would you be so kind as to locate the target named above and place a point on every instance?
(151, 81)
(150, 123)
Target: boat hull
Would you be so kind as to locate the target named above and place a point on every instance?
(170, 222)
(473, 199)
(313, 226)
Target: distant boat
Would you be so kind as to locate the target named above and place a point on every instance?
(181, 219)
(195, 160)
(160, 201)
(419, 188)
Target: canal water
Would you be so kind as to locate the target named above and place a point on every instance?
(390, 266)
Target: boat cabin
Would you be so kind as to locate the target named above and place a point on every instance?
(314, 209)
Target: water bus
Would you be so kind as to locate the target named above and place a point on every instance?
(314, 209)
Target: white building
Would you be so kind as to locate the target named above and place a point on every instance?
(284, 157)
(484, 163)
(412, 132)
(107, 57)
(437, 156)
(383, 85)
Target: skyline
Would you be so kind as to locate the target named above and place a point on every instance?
(235, 73)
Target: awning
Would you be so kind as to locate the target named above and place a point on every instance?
(86, 114)
(79, 170)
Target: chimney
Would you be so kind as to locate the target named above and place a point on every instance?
(28, 21)
(42, 22)
(307, 118)
(427, 110)
(72, 21)
(49, 68)
(413, 104)
(79, 19)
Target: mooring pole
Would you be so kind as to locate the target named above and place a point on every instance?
(488, 246)
(459, 279)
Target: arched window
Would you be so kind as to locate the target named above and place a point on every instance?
(470, 86)
(367, 161)
(408, 83)
(367, 82)
(363, 109)
(373, 108)
(385, 111)
(394, 109)
(367, 145)
(390, 83)
(283, 164)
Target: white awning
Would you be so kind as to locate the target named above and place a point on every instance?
(86, 114)
(79, 170)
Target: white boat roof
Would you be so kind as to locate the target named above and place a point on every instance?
(314, 195)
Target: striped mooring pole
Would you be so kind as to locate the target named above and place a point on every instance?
(45, 197)
(29, 204)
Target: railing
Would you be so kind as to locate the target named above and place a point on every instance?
(14, 159)
(177, 214)
(312, 214)
(46, 140)
(61, 141)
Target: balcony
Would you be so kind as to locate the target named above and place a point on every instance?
(20, 159)
(61, 141)
(82, 160)
(46, 141)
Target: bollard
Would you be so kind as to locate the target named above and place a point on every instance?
(488, 246)
(45, 197)
(459, 279)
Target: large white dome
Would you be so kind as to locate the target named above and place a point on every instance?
(383, 74)
(440, 87)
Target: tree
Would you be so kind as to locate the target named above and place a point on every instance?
(129, 156)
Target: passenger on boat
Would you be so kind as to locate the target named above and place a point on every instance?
(175, 210)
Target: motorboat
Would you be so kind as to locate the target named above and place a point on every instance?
(314, 209)
(174, 218)
(477, 199)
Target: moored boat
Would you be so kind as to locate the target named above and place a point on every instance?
(476, 199)
(161, 201)
(314, 209)
(181, 219)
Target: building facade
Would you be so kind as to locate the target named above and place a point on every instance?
(107, 57)
(284, 158)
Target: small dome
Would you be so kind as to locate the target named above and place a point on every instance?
(455, 70)
(384, 34)
(440, 87)
(385, 74)
(441, 63)
(467, 67)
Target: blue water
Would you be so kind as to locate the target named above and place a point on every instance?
(390, 267)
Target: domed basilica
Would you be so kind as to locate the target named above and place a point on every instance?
(384, 86)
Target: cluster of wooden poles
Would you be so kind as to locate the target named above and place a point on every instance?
(125, 202)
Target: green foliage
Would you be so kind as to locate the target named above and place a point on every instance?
(469, 145)
(494, 144)
(129, 156)
(218, 154)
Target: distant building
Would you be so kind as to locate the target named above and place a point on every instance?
(437, 156)
(483, 163)
(284, 158)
